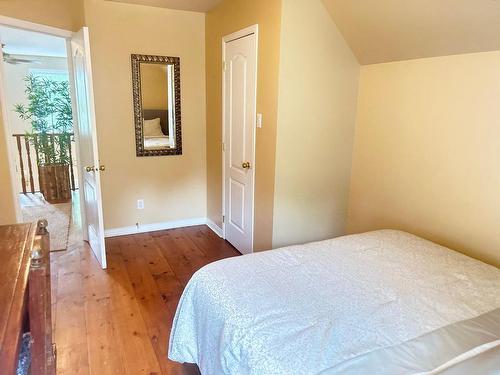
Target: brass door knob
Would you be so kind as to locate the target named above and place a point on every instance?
(89, 168)
(102, 168)
(246, 165)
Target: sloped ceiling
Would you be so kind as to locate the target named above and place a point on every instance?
(390, 30)
(192, 5)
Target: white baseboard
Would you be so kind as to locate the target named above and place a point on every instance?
(215, 228)
(116, 232)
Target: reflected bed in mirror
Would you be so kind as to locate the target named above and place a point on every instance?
(157, 108)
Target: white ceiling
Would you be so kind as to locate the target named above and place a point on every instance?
(192, 5)
(391, 30)
(21, 42)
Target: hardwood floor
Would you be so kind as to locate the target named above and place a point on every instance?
(118, 321)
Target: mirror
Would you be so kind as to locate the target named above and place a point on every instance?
(157, 105)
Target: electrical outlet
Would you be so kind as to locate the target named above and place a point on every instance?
(140, 204)
(259, 120)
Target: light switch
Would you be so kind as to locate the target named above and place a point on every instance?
(259, 120)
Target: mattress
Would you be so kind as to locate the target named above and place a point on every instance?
(383, 302)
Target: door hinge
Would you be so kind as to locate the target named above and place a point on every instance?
(223, 146)
(223, 219)
(224, 66)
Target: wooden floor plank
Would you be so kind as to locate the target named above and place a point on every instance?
(102, 339)
(167, 286)
(212, 246)
(73, 360)
(155, 313)
(118, 321)
(184, 258)
(131, 330)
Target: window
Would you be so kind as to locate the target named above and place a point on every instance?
(52, 74)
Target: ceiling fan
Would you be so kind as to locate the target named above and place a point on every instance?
(9, 59)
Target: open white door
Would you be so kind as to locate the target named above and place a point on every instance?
(90, 167)
(239, 115)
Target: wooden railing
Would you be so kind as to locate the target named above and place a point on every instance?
(28, 160)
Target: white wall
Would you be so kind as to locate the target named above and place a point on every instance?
(316, 119)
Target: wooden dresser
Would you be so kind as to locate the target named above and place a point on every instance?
(25, 297)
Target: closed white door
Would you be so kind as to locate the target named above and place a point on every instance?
(239, 111)
(87, 142)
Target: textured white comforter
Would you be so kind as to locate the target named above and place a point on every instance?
(156, 143)
(308, 309)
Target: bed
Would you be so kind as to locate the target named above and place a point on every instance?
(155, 129)
(156, 142)
(162, 114)
(383, 302)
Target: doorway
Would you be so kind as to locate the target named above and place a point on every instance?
(48, 115)
(41, 131)
(239, 126)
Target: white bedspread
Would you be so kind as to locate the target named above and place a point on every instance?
(307, 309)
(156, 143)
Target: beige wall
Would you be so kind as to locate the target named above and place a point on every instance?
(64, 14)
(427, 150)
(316, 119)
(228, 17)
(173, 187)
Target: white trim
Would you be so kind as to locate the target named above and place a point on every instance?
(76, 132)
(254, 29)
(116, 232)
(15, 186)
(223, 159)
(215, 228)
(30, 26)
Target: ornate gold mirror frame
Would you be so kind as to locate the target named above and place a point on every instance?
(141, 151)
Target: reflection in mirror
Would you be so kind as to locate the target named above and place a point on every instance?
(156, 88)
(156, 105)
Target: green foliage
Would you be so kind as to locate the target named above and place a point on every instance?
(50, 115)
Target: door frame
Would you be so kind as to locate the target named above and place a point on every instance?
(14, 183)
(254, 29)
(76, 132)
(57, 32)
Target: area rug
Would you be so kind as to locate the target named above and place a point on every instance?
(59, 218)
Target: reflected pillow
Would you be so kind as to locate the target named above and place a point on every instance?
(152, 128)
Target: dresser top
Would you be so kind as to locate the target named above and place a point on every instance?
(16, 242)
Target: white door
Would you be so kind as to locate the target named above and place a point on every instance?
(87, 142)
(239, 112)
